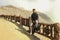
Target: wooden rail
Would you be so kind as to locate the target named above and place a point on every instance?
(49, 30)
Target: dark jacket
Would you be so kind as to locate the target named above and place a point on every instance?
(34, 16)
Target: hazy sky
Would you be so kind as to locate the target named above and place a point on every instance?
(50, 7)
(42, 5)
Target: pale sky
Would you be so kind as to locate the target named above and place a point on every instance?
(49, 7)
(42, 5)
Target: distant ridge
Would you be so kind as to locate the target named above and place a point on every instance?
(12, 10)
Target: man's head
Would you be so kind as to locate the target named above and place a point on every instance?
(34, 10)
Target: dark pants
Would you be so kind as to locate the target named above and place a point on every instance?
(34, 28)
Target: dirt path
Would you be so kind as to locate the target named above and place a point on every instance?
(10, 31)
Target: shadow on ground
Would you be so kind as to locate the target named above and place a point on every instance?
(24, 31)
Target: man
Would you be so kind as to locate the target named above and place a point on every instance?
(34, 18)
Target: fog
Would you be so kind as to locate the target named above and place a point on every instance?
(49, 7)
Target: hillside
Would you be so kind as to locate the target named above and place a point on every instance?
(11, 10)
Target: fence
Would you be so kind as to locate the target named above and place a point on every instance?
(49, 30)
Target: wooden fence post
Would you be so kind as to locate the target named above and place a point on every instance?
(20, 21)
(56, 31)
